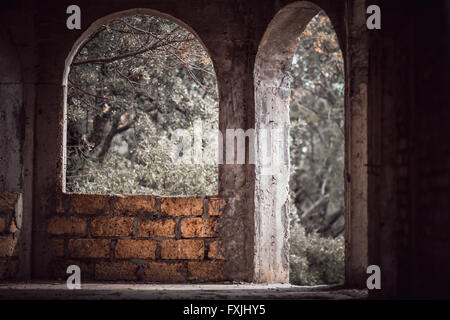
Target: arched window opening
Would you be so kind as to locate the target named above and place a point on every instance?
(317, 137)
(140, 91)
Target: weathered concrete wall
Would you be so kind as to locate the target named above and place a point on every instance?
(11, 117)
(11, 164)
(356, 144)
(16, 135)
(10, 246)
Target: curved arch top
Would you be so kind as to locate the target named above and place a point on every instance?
(272, 98)
(113, 16)
(280, 39)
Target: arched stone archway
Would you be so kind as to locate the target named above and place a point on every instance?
(272, 95)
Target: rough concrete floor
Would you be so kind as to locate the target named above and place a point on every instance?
(127, 291)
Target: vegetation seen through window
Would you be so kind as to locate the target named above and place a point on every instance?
(131, 85)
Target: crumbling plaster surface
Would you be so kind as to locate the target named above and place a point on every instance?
(16, 136)
(272, 96)
(11, 117)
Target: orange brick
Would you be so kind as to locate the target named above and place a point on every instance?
(2, 224)
(13, 227)
(140, 249)
(216, 206)
(198, 227)
(106, 226)
(8, 246)
(205, 271)
(163, 272)
(89, 248)
(154, 229)
(182, 206)
(7, 201)
(58, 247)
(89, 203)
(182, 249)
(215, 251)
(121, 270)
(67, 226)
(133, 204)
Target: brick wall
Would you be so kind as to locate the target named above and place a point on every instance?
(9, 235)
(137, 238)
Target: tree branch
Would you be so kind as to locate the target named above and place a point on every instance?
(310, 210)
(124, 56)
(88, 93)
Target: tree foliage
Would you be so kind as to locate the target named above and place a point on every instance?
(317, 128)
(131, 85)
(317, 156)
(315, 259)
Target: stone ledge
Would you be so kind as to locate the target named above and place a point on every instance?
(120, 291)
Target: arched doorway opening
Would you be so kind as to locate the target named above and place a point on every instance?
(317, 136)
(272, 76)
